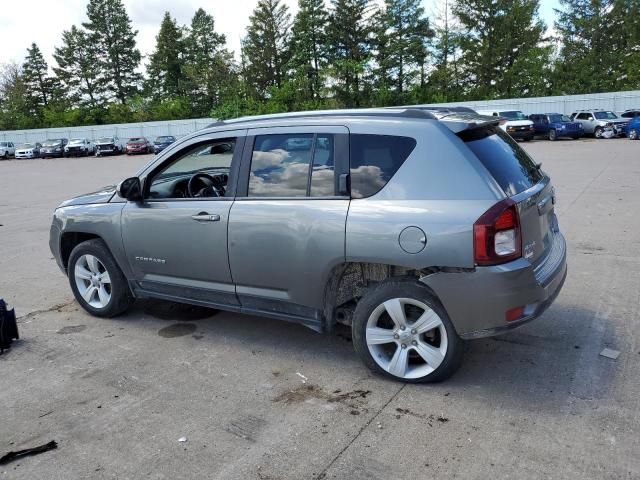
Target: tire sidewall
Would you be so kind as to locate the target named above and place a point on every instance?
(553, 135)
(120, 293)
(405, 289)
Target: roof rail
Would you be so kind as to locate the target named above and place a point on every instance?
(360, 112)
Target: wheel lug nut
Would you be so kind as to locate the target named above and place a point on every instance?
(414, 343)
(396, 336)
(404, 346)
(403, 327)
(413, 331)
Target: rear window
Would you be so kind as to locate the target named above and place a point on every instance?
(513, 169)
(374, 160)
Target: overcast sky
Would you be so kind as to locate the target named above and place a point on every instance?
(42, 21)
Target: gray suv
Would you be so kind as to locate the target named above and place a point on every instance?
(418, 230)
(595, 122)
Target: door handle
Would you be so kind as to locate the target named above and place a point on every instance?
(205, 217)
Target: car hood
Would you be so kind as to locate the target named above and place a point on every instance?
(101, 196)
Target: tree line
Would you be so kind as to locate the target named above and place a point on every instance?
(348, 53)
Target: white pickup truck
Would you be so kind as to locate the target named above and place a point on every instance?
(516, 123)
(7, 149)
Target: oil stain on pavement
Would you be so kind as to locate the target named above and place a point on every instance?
(177, 330)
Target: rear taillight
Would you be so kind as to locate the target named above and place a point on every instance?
(496, 235)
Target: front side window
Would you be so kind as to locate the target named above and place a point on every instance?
(292, 165)
(198, 171)
(374, 160)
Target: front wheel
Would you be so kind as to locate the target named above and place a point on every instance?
(553, 135)
(97, 282)
(633, 134)
(402, 331)
(598, 132)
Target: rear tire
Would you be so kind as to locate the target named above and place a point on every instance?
(378, 338)
(96, 281)
(553, 135)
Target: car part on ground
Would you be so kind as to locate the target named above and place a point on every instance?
(321, 218)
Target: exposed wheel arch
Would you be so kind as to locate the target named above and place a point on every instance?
(69, 241)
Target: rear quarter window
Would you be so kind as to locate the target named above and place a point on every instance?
(374, 159)
(512, 168)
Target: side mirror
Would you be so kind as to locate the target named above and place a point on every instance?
(131, 189)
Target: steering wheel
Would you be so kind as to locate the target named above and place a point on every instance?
(203, 185)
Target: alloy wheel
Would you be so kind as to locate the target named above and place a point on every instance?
(406, 338)
(93, 281)
(633, 134)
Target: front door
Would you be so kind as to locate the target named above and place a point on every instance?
(176, 239)
(287, 225)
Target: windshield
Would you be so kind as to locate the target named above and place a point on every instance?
(605, 115)
(165, 139)
(136, 140)
(76, 140)
(513, 115)
(559, 119)
(105, 140)
(513, 169)
(26, 145)
(51, 143)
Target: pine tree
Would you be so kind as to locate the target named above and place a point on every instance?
(444, 80)
(266, 47)
(37, 83)
(209, 65)
(77, 71)
(503, 47)
(166, 63)
(625, 31)
(14, 105)
(349, 32)
(109, 29)
(309, 45)
(408, 33)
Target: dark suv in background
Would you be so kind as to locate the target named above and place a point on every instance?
(53, 147)
(162, 142)
(555, 125)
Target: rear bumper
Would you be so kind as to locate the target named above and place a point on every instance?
(477, 301)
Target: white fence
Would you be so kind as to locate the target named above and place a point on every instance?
(177, 128)
(616, 101)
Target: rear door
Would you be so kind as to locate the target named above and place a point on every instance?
(524, 182)
(287, 225)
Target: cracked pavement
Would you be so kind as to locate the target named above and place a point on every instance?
(118, 394)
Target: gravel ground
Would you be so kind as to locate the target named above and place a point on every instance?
(117, 395)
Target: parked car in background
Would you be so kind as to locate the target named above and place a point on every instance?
(53, 147)
(631, 113)
(7, 149)
(139, 145)
(516, 123)
(109, 146)
(415, 231)
(28, 150)
(555, 125)
(595, 122)
(632, 131)
(160, 143)
(79, 146)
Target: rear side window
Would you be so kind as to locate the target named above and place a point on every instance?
(510, 165)
(374, 160)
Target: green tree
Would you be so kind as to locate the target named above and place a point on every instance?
(37, 83)
(77, 71)
(407, 32)
(503, 48)
(309, 46)
(266, 47)
(14, 105)
(110, 31)
(209, 65)
(444, 80)
(349, 31)
(166, 63)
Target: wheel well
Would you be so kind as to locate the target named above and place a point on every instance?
(69, 241)
(348, 282)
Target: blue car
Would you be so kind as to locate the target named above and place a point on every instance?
(632, 130)
(555, 125)
(160, 143)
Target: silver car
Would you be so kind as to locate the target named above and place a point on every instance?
(417, 230)
(596, 122)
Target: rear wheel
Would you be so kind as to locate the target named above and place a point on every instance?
(597, 132)
(553, 135)
(633, 134)
(97, 282)
(401, 331)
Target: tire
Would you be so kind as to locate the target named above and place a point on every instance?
(441, 343)
(597, 133)
(119, 295)
(553, 135)
(633, 134)
(6, 155)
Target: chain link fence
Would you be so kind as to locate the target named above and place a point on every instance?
(177, 128)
